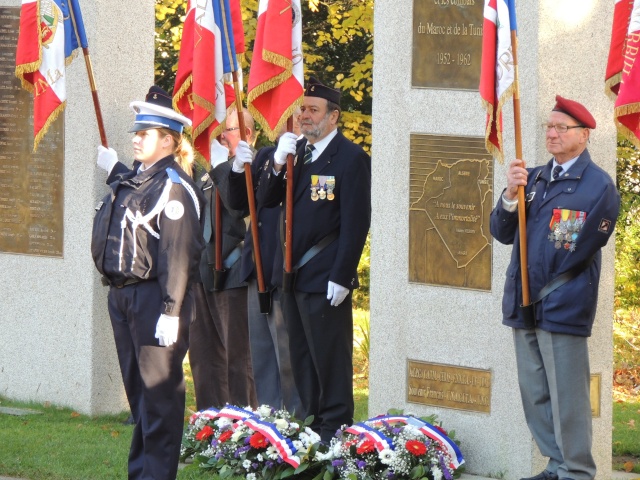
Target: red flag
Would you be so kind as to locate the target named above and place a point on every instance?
(49, 35)
(621, 17)
(238, 27)
(497, 75)
(199, 91)
(627, 107)
(276, 78)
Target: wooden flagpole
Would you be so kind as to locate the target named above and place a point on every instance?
(288, 258)
(253, 214)
(92, 81)
(522, 219)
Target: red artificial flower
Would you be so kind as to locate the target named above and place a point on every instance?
(366, 447)
(416, 448)
(225, 436)
(258, 441)
(205, 433)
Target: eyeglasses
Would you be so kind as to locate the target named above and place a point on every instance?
(560, 127)
(231, 129)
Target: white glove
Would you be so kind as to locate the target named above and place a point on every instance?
(167, 330)
(107, 158)
(219, 154)
(286, 146)
(243, 156)
(336, 293)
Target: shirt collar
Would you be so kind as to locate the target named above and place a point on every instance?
(322, 144)
(566, 165)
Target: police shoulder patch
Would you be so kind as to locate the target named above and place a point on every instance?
(174, 210)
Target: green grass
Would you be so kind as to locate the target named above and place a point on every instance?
(626, 435)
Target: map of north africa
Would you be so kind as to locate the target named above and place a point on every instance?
(450, 243)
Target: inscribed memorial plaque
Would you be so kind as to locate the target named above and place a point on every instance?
(31, 184)
(449, 386)
(447, 44)
(451, 198)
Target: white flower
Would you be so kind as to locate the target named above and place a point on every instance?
(313, 436)
(281, 424)
(387, 456)
(259, 457)
(337, 449)
(437, 473)
(321, 457)
(237, 434)
(223, 422)
(272, 452)
(264, 410)
(294, 426)
(298, 444)
(246, 464)
(251, 476)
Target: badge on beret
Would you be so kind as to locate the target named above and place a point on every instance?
(174, 210)
(605, 225)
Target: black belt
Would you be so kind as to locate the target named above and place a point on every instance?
(129, 281)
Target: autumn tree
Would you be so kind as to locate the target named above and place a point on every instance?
(338, 48)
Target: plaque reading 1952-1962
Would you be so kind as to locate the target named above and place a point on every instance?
(451, 197)
(447, 44)
(31, 184)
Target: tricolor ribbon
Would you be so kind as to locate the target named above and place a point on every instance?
(430, 431)
(282, 444)
(380, 440)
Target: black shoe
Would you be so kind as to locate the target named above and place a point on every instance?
(544, 475)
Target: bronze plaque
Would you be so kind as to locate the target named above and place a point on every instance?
(31, 184)
(447, 44)
(451, 198)
(448, 386)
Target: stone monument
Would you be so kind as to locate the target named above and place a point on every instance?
(57, 343)
(437, 342)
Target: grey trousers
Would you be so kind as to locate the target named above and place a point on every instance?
(554, 378)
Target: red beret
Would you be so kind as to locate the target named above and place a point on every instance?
(575, 110)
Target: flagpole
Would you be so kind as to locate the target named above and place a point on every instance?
(253, 214)
(522, 219)
(92, 80)
(288, 259)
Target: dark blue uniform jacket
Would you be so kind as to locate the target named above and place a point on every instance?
(583, 202)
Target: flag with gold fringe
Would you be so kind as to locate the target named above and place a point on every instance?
(50, 33)
(497, 73)
(199, 91)
(276, 78)
(621, 15)
(627, 106)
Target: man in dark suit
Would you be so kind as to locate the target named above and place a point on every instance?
(331, 212)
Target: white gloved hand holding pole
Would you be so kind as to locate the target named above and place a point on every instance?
(336, 293)
(243, 156)
(167, 330)
(219, 154)
(286, 146)
(107, 158)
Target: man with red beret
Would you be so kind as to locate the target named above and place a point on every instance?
(572, 207)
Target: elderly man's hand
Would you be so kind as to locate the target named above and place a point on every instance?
(516, 176)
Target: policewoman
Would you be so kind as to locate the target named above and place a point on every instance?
(571, 213)
(147, 241)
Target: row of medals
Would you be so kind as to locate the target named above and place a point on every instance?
(320, 192)
(565, 233)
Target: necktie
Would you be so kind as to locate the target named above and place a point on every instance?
(557, 170)
(308, 153)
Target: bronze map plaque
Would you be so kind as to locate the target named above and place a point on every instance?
(447, 44)
(448, 386)
(451, 198)
(31, 184)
